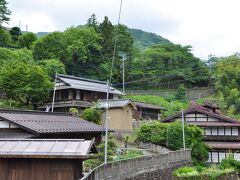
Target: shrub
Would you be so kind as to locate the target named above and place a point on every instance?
(92, 115)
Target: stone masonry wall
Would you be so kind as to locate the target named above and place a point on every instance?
(159, 166)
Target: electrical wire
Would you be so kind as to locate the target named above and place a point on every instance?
(115, 41)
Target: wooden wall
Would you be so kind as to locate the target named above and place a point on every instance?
(40, 169)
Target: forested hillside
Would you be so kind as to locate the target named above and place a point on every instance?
(28, 62)
(143, 39)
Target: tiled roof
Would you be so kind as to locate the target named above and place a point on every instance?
(148, 106)
(15, 135)
(46, 122)
(211, 105)
(74, 103)
(115, 103)
(45, 148)
(86, 84)
(223, 145)
(197, 108)
(212, 124)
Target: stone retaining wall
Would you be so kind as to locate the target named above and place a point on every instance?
(159, 166)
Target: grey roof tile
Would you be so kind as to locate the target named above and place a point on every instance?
(114, 103)
(46, 122)
(86, 84)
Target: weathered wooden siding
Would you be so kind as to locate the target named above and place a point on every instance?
(40, 169)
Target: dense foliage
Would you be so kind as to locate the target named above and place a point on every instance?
(227, 83)
(144, 40)
(25, 82)
(170, 136)
(169, 64)
(170, 104)
(4, 12)
(92, 115)
(198, 172)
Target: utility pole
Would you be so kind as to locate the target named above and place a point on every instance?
(106, 124)
(54, 91)
(123, 71)
(184, 146)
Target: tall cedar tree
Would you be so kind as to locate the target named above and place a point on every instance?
(4, 12)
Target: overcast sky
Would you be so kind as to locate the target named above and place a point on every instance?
(210, 26)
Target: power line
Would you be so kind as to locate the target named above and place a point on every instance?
(115, 41)
(167, 75)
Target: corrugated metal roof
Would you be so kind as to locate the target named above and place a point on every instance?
(47, 148)
(86, 84)
(114, 103)
(46, 122)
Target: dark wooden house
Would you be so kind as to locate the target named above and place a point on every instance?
(37, 124)
(147, 111)
(221, 133)
(35, 159)
(79, 93)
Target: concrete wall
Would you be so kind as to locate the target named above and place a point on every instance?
(158, 166)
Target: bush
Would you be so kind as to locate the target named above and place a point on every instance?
(230, 163)
(170, 136)
(199, 172)
(92, 115)
(181, 92)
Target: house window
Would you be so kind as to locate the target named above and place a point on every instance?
(235, 131)
(228, 131)
(214, 156)
(221, 156)
(207, 131)
(220, 130)
(214, 131)
(237, 156)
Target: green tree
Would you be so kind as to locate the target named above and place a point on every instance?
(171, 136)
(92, 115)
(27, 40)
(5, 38)
(24, 82)
(4, 12)
(51, 46)
(92, 22)
(170, 63)
(53, 66)
(227, 83)
(181, 92)
(6, 55)
(15, 33)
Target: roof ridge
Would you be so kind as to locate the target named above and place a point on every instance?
(81, 78)
(21, 111)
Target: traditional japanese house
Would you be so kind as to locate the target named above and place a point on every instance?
(221, 133)
(19, 124)
(43, 159)
(147, 111)
(120, 114)
(79, 93)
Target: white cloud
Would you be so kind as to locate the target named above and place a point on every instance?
(210, 26)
